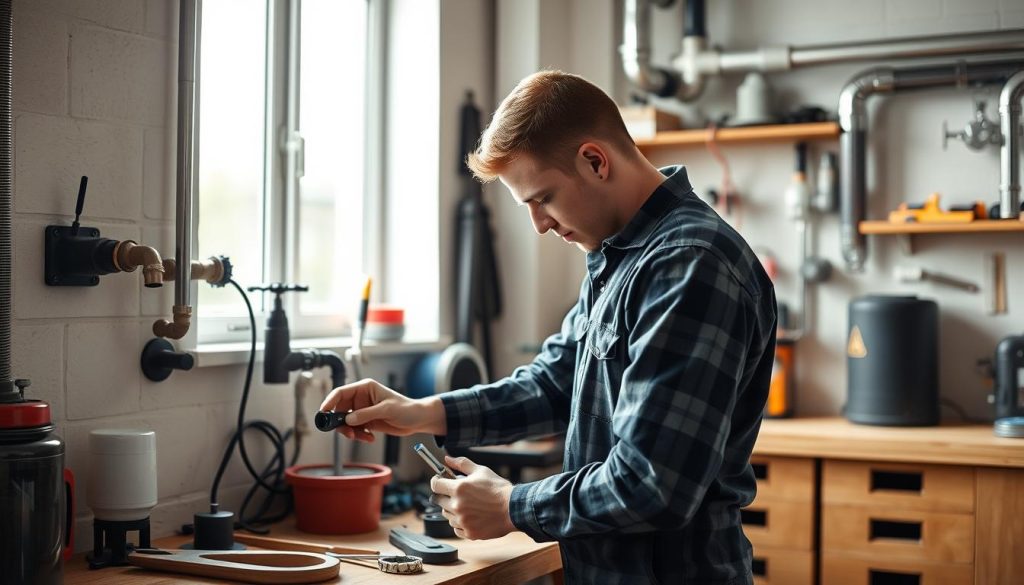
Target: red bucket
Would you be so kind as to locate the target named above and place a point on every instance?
(338, 504)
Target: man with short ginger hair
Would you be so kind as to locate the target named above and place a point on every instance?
(658, 376)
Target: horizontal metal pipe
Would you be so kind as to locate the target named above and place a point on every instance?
(782, 58)
(908, 48)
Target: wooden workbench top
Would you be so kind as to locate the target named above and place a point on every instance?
(511, 559)
(837, 438)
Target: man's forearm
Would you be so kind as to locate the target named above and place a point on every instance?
(435, 421)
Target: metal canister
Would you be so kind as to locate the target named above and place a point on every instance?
(892, 361)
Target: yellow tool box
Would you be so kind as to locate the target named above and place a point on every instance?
(930, 212)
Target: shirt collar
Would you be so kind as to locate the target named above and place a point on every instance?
(636, 233)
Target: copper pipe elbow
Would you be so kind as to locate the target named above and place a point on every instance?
(128, 256)
(174, 329)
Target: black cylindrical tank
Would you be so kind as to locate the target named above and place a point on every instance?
(33, 497)
(892, 356)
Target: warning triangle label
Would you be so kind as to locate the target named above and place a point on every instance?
(855, 346)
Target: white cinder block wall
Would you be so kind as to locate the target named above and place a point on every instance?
(94, 94)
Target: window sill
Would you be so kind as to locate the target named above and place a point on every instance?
(227, 354)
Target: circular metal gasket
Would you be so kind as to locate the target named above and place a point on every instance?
(400, 564)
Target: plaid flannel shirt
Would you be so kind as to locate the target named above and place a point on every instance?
(659, 377)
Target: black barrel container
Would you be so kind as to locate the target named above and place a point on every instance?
(892, 361)
(34, 497)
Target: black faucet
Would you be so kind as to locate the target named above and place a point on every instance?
(276, 341)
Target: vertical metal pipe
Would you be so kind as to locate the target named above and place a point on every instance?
(1009, 153)
(188, 59)
(636, 51)
(7, 391)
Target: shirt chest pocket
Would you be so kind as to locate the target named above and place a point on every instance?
(602, 341)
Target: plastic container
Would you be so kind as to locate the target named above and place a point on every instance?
(36, 496)
(333, 504)
(122, 474)
(385, 323)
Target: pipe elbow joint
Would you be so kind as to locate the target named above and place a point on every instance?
(129, 255)
(178, 327)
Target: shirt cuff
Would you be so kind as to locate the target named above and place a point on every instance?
(463, 415)
(522, 512)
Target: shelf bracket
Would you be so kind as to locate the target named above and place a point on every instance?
(906, 243)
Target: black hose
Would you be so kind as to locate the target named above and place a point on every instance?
(271, 478)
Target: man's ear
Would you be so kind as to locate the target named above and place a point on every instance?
(595, 159)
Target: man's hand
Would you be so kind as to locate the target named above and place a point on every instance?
(371, 406)
(475, 505)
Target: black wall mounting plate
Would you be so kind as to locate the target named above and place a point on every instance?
(54, 273)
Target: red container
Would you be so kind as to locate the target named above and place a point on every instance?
(332, 504)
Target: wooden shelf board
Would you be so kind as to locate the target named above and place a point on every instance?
(778, 132)
(979, 226)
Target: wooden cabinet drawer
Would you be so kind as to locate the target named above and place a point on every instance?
(907, 486)
(783, 566)
(773, 523)
(784, 478)
(898, 534)
(843, 570)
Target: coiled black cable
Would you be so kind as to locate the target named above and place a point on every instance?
(271, 479)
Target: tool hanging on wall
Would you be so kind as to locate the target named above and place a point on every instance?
(478, 287)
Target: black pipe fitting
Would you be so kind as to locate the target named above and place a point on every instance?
(328, 420)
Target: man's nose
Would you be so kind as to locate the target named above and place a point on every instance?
(542, 222)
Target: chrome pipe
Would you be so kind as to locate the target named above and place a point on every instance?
(695, 61)
(636, 51)
(188, 122)
(1009, 152)
(908, 48)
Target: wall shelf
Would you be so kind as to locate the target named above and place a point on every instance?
(747, 134)
(979, 226)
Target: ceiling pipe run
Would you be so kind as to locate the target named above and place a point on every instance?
(854, 122)
(687, 76)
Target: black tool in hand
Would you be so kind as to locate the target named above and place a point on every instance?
(328, 420)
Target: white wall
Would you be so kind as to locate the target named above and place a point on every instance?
(907, 162)
(94, 87)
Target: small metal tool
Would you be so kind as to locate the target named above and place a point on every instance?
(914, 274)
(431, 551)
(432, 462)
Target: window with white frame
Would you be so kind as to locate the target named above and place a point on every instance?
(284, 157)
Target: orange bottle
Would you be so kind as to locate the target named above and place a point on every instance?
(783, 383)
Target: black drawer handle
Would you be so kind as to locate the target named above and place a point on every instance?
(903, 481)
(760, 470)
(895, 529)
(759, 567)
(893, 578)
(749, 517)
